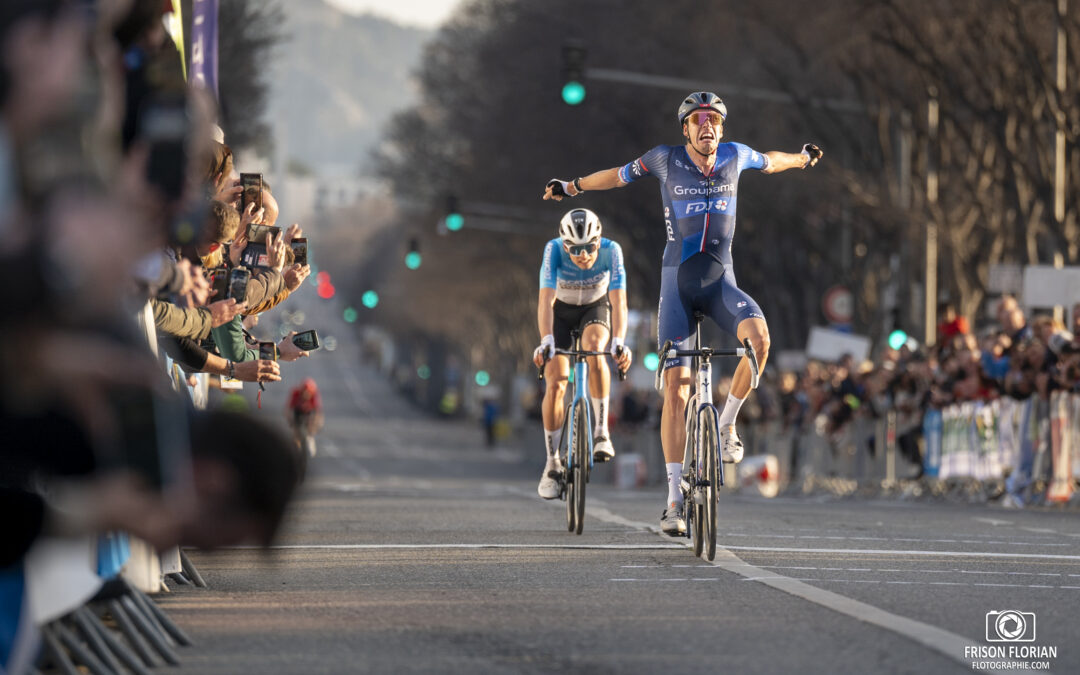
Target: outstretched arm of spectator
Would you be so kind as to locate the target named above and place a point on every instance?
(229, 339)
(263, 285)
(181, 321)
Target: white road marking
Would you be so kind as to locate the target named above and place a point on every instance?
(904, 539)
(938, 639)
(390, 547)
(881, 551)
(993, 521)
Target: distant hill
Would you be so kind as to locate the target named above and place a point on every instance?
(337, 79)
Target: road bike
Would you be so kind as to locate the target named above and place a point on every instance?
(575, 451)
(701, 473)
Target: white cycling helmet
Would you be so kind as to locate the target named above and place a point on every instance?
(579, 226)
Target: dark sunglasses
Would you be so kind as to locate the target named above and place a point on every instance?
(581, 249)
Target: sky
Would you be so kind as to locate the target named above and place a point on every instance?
(422, 13)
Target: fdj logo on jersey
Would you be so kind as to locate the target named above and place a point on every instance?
(693, 208)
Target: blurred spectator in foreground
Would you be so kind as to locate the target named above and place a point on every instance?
(951, 323)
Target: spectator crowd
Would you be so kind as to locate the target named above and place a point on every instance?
(127, 238)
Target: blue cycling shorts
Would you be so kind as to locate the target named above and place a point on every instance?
(700, 283)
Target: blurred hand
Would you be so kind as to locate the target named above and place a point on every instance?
(200, 287)
(275, 251)
(545, 351)
(287, 351)
(258, 371)
(293, 232)
(250, 216)
(813, 154)
(224, 311)
(236, 249)
(295, 275)
(623, 358)
(230, 192)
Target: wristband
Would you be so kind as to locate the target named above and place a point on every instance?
(577, 184)
(232, 369)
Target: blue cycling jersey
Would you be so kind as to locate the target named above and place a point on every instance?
(576, 286)
(699, 208)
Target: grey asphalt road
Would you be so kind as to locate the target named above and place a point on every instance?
(414, 549)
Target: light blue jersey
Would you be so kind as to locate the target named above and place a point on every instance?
(576, 286)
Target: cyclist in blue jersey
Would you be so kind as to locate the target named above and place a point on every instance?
(699, 186)
(582, 287)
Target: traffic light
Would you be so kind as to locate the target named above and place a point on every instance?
(349, 315)
(573, 72)
(651, 361)
(370, 299)
(325, 289)
(454, 220)
(412, 258)
(897, 339)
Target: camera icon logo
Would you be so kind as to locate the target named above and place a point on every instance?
(1010, 625)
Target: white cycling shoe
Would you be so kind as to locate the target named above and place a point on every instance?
(673, 522)
(549, 484)
(603, 450)
(731, 448)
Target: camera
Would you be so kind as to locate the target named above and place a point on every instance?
(1010, 625)
(299, 249)
(252, 184)
(307, 340)
(268, 351)
(238, 281)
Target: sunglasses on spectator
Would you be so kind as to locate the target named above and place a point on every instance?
(702, 117)
(581, 249)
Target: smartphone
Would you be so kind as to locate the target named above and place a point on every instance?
(307, 340)
(219, 283)
(252, 193)
(255, 255)
(238, 281)
(268, 351)
(299, 249)
(257, 233)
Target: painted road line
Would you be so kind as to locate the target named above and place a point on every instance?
(883, 551)
(399, 547)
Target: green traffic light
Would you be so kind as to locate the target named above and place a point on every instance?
(651, 361)
(350, 315)
(573, 93)
(370, 299)
(412, 260)
(423, 372)
(897, 338)
(483, 378)
(455, 221)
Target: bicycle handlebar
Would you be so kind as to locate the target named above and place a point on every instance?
(747, 351)
(579, 352)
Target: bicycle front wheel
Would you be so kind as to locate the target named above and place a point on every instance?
(708, 449)
(566, 459)
(581, 462)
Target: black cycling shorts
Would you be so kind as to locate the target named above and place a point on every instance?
(576, 317)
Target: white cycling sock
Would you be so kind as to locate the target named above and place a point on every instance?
(551, 439)
(731, 410)
(600, 411)
(674, 475)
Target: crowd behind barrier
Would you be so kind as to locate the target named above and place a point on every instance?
(124, 440)
(997, 413)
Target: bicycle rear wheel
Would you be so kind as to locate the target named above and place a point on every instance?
(708, 452)
(581, 463)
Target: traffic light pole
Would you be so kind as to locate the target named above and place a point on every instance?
(756, 93)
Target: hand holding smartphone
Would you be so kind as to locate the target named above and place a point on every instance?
(299, 249)
(268, 351)
(238, 281)
(252, 184)
(307, 340)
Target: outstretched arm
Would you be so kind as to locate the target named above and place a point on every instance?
(601, 180)
(782, 161)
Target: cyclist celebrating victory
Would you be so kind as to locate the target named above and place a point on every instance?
(580, 271)
(699, 184)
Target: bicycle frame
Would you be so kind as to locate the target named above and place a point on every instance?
(581, 392)
(700, 401)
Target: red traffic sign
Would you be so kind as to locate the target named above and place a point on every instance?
(838, 304)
